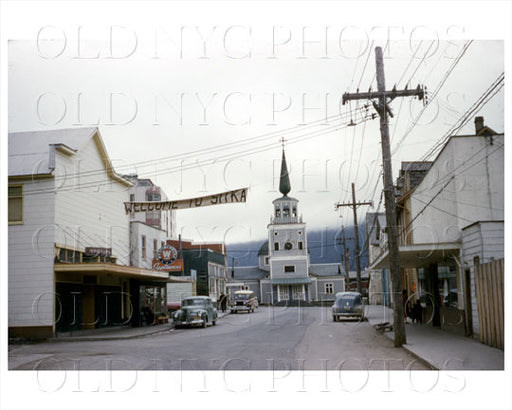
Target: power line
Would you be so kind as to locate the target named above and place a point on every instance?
(211, 149)
(433, 95)
(495, 87)
(206, 162)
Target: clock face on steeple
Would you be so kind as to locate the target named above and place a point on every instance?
(288, 246)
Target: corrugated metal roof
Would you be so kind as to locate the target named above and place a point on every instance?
(29, 152)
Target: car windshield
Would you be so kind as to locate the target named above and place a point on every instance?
(241, 297)
(193, 302)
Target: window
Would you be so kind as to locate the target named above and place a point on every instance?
(68, 255)
(300, 245)
(276, 246)
(155, 248)
(329, 288)
(286, 212)
(289, 269)
(298, 292)
(283, 293)
(278, 213)
(266, 260)
(16, 204)
(143, 246)
(288, 246)
(294, 212)
(152, 196)
(132, 197)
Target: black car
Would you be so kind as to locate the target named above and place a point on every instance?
(348, 304)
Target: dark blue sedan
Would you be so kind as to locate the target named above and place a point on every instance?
(348, 304)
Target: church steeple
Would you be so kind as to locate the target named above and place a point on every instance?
(284, 182)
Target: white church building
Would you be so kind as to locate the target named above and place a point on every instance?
(284, 274)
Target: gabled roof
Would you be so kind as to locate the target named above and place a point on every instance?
(29, 152)
(326, 269)
(375, 222)
(249, 273)
(32, 153)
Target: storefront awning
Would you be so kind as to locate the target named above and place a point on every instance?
(111, 268)
(290, 281)
(419, 255)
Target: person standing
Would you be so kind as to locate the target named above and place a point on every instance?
(223, 302)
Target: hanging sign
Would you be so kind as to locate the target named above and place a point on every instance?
(230, 197)
(167, 260)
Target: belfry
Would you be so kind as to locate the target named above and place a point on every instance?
(287, 243)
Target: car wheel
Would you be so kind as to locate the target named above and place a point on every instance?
(214, 322)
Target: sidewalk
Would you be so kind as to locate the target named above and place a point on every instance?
(116, 333)
(440, 349)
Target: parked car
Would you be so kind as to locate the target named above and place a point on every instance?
(196, 310)
(243, 301)
(348, 304)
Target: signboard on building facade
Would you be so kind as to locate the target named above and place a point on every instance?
(96, 251)
(167, 260)
(230, 197)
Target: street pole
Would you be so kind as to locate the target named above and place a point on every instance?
(354, 204)
(390, 205)
(346, 260)
(389, 195)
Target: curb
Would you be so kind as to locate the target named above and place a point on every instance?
(93, 338)
(419, 358)
(105, 338)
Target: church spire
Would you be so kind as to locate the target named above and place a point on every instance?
(284, 182)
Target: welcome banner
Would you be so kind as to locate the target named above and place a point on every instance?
(230, 197)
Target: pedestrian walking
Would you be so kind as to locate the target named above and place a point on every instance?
(223, 301)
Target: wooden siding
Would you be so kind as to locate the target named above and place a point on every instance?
(31, 252)
(475, 243)
(489, 282)
(338, 286)
(89, 204)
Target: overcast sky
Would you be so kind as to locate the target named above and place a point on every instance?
(231, 86)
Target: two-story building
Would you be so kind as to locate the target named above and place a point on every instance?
(455, 212)
(69, 237)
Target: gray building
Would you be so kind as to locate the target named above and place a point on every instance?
(284, 274)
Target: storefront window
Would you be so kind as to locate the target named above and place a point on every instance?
(153, 300)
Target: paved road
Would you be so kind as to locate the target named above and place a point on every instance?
(272, 338)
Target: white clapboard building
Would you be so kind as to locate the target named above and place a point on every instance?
(69, 236)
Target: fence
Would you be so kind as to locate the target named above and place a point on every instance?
(489, 286)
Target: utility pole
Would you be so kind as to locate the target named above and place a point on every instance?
(382, 108)
(354, 206)
(345, 258)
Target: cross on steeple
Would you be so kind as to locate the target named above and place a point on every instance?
(283, 140)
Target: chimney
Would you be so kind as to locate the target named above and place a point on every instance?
(479, 124)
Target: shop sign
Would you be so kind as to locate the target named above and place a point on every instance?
(167, 260)
(95, 251)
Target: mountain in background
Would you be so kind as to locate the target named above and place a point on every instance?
(325, 246)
